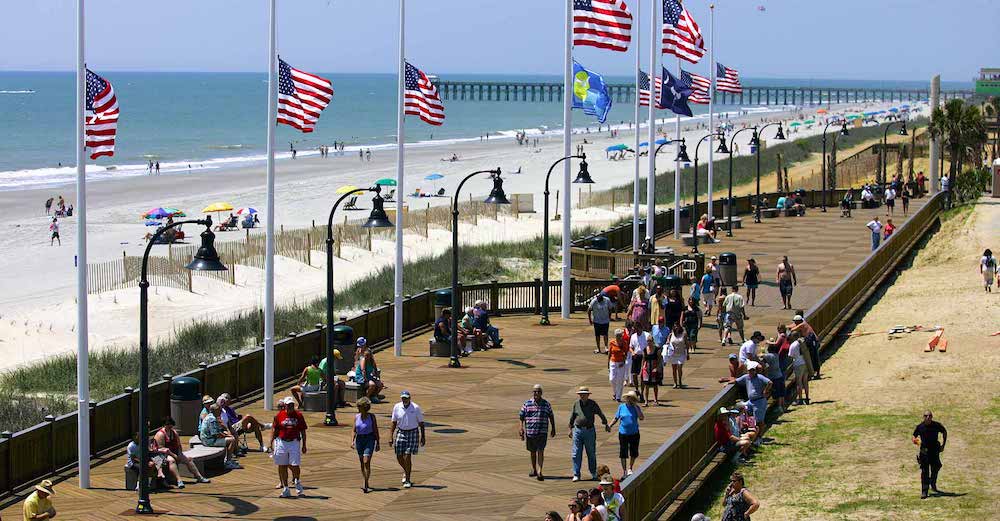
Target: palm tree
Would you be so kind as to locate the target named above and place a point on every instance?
(961, 128)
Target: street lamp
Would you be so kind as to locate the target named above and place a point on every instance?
(885, 143)
(729, 203)
(780, 135)
(682, 156)
(376, 219)
(694, 206)
(843, 132)
(581, 178)
(496, 197)
(833, 165)
(206, 259)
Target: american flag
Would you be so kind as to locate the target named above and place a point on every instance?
(727, 80)
(681, 35)
(101, 120)
(422, 97)
(699, 87)
(644, 89)
(301, 97)
(606, 24)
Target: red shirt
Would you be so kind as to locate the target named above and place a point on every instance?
(612, 291)
(888, 230)
(289, 426)
(722, 432)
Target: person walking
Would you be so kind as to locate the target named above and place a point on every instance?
(988, 269)
(38, 505)
(54, 228)
(691, 319)
(876, 228)
(407, 418)
(627, 417)
(599, 315)
(925, 436)
(636, 350)
(364, 439)
(904, 195)
(582, 432)
(735, 313)
(537, 421)
(288, 444)
(890, 200)
(675, 354)
(739, 502)
(617, 354)
(708, 293)
(888, 230)
(796, 352)
(48, 206)
(651, 374)
(751, 279)
(787, 280)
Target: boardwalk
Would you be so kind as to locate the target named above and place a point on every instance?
(474, 466)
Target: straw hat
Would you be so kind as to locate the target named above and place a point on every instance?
(583, 390)
(46, 487)
(207, 400)
(607, 480)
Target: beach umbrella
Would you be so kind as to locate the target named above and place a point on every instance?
(246, 211)
(904, 106)
(163, 213)
(893, 109)
(217, 207)
(795, 124)
(385, 181)
(870, 113)
(433, 177)
(346, 188)
(821, 111)
(615, 148)
(646, 143)
(853, 116)
(809, 122)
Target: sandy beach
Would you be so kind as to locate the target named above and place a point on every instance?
(37, 307)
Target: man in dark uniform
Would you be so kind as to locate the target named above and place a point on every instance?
(925, 436)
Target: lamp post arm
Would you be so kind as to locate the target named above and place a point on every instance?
(732, 140)
(454, 207)
(329, 221)
(553, 167)
(159, 233)
(670, 142)
(706, 136)
(768, 125)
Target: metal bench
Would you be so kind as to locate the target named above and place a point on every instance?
(314, 401)
(769, 213)
(209, 460)
(723, 224)
(439, 349)
(702, 239)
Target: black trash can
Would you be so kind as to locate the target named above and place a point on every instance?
(343, 341)
(442, 299)
(672, 282)
(727, 269)
(599, 242)
(185, 404)
(685, 225)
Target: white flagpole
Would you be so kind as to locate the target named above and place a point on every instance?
(711, 105)
(272, 116)
(677, 174)
(635, 183)
(655, 45)
(397, 344)
(567, 297)
(82, 349)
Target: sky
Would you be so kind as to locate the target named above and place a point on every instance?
(847, 39)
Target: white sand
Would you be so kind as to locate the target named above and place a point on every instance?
(37, 301)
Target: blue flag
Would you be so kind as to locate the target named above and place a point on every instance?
(674, 95)
(590, 93)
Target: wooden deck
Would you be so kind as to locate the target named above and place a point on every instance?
(474, 466)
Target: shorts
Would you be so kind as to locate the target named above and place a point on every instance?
(407, 442)
(600, 329)
(365, 444)
(55, 235)
(628, 445)
(708, 299)
(752, 285)
(778, 387)
(800, 371)
(287, 452)
(890, 202)
(215, 442)
(734, 321)
(536, 443)
(785, 287)
(759, 410)
(636, 364)
(310, 388)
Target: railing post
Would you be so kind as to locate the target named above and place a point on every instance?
(538, 296)
(92, 410)
(390, 316)
(364, 313)
(572, 292)
(131, 418)
(203, 366)
(7, 435)
(51, 421)
(495, 297)
(235, 391)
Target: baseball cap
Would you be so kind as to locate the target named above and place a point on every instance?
(732, 356)
(362, 341)
(751, 365)
(404, 394)
(287, 400)
(797, 318)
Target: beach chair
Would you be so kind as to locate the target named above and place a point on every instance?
(352, 204)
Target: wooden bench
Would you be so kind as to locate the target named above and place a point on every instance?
(439, 349)
(209, 460)
(769, 213)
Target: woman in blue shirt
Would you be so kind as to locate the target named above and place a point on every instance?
(628, 416)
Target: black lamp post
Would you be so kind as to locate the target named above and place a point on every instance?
(694, 206)
(756, 142)
(682, 156)
(833, 165)
(206, 259)
(729, 203)
(581, 178)
(843, 132)
(496, 197)
(376, 219)
(885, 143)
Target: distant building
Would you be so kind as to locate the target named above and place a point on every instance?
(988, 83)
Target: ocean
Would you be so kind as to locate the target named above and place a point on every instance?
(214, 120)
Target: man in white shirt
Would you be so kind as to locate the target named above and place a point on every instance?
(890, 200)
(748, 351)
(876, 227)
(407, 418)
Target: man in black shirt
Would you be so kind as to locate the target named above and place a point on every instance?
(925, 436)
(442, 327)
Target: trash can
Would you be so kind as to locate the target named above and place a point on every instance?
(685, 225)
(599, 242)
(343, 341)
(727, 269)
(672, 282)
(442, 299)
(185, 404)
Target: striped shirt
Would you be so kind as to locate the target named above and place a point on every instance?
(536, 417)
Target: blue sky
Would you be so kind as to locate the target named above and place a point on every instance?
(848, 39)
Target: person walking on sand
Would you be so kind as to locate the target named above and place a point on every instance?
(925, 436)
(288, 444)
(54, 228)
(787, 280)
(48, 206)
(537, 421)
(407, 434)
(157, 167)
(365, 439)
(988, 269)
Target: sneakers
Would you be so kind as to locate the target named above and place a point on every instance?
(203, 479)
(285, 492)
(576, 478)
(180, 484)
(298, 488)
(407, 484)
(232, 465)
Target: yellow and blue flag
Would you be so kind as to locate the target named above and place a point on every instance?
(590, 93)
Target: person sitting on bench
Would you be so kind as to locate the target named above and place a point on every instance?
(341, 385)
(154, 464)
(467, 328)
(309, 381)
(647, 247)
(239, 423)
(167, 443)
(481, 320)
(867, 198)
(366, 373)
(214, 434)
(799, 205)
(442, 327)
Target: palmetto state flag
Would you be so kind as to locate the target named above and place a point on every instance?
(590, 93)
(675, 94)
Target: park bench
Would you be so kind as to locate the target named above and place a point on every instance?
(769, 213)
(723, 224)
(439, 349)
(209, 460)
(314, 401)
(702, 239)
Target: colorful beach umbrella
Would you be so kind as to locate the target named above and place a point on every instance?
(346, 188)
(163, 213)
(433, 177)
(246, 211)
(385, 181)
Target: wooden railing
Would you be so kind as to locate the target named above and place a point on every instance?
(661, 478)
